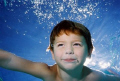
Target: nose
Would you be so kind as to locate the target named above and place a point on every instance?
(69, 50)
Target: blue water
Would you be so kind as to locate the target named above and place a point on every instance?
(25, 27)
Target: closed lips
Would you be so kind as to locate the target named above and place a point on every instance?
(69, 60)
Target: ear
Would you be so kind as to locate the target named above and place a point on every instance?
(52, 54)
(90, 52)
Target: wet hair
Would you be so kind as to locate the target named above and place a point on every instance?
(68, 27)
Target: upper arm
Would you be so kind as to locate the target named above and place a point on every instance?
(36, 69)
(19, 64)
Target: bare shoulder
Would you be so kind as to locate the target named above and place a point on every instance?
(106, 77)
(47, 72)
(100, 76)
(53, 68)
(42, 70)
(95, 76)
(112, 78)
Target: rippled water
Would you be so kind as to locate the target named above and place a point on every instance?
(25, 27)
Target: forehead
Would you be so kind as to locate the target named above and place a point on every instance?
(69, 37)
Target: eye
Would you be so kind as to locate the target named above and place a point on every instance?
(77, 44)
(59, 45)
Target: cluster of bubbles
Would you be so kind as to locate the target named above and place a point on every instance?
(63, 9)
(66, 9)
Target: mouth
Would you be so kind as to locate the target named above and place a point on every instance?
(69, 60)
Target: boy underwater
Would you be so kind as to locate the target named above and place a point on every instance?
(70, 45)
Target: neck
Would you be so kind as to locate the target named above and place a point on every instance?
(70, 75)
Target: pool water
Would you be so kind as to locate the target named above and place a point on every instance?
(25, 26)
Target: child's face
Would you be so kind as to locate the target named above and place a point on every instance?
(70, 51)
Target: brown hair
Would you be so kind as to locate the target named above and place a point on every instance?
(67, 27)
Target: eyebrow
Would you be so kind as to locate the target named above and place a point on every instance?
(80, 40)
(59, 41)
(72, 41)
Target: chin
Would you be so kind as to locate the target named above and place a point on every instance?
(69, 67)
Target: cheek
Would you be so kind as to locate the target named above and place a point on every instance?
(81, 52)
(58, 53)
